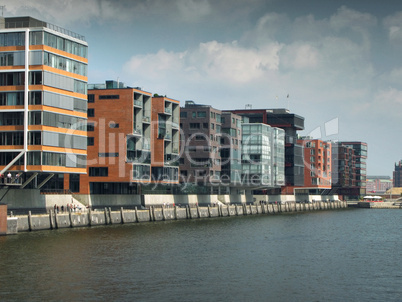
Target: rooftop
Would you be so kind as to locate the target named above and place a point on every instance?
(29, 22)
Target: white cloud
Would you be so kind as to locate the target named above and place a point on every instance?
(393, 24)
(300, 56)
(224, 62)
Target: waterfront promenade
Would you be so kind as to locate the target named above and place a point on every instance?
(54, 220)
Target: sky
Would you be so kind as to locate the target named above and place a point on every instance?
(337, 63)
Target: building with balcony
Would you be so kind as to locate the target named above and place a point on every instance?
(200, 162)
(130, 136)
(165, 140)
(290, 123)
(317, 166)
(230, 149)
(397, 174)
(349, 169)
(43, 101)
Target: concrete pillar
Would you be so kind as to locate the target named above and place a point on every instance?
(51, 219)
(228, 210)
(30, 220)
(198, 211)
(251, 210)
(150, 213)
(70, 218)
(175, 212)
(3, 219)
(106, 216)
(122, 215)
(237, 210)
(89, 216)
(163, 213)
(136, 215)
(190, 216)
(56, 222)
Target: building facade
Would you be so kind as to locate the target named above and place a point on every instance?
(128, 141)
(43, 106)
(263, 149)
(165, 140)
(211, 143)
(290, 123)
(397, 174)
(349, 169)
(317, 165)
(378, 184)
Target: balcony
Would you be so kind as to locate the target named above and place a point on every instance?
(171, 160)
(168, 110)
(146, 119)
(138, 156)
(137, 132)
(137, 103)
(175, 149)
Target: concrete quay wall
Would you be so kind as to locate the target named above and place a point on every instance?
(54, 220)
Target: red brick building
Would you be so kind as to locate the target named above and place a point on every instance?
(132, 138)
(317, 165)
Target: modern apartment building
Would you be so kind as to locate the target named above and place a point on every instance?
(43, 100)
(290, 123)
(317, 165)
(230, 149)
(349, 169)
(397, 174)
(165, 140)
(263, 165)
(130, 137)
(201, 126)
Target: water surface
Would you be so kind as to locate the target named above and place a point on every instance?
(349, 255)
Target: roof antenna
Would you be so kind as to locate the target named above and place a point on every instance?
(249, 106)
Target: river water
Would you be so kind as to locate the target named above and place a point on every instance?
(344, 255)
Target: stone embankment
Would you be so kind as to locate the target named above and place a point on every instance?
(70, 219)
(380, 205)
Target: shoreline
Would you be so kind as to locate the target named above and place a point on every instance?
(54, 220)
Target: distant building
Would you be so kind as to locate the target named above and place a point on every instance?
(349, 169)
(378, 184)
(317, 166)
(43, 106)
(398, 174)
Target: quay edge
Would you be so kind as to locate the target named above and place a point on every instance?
(106, 216)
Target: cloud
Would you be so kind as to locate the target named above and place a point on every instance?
(224, 62)
(192, 10)
(393, 25)
(300, 56)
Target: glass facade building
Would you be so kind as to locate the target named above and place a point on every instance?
(43, 97)
(263, 155)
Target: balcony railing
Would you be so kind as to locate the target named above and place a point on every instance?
(137, 132)
(138, 103)
(138, 156)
